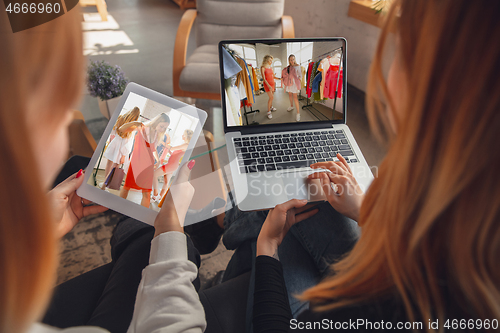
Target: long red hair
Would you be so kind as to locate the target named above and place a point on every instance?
(43, 64)
(431, 220)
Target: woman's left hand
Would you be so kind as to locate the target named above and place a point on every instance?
(279, 220)
(67, 207)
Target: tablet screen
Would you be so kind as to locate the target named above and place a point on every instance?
(143, 151)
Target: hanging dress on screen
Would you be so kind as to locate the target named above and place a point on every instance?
(312, 75)
(256, 82)
(332, 76)
(323, 67)
(244, 79)
(302, 77)
(232, 96)
(141, 169)
(316, 86)
(231, 66)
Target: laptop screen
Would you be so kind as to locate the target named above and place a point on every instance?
(283, 81)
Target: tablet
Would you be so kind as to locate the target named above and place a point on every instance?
(147, 138)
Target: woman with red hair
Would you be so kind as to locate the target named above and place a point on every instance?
(40, 82)
(430, 222)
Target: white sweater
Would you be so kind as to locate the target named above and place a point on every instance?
(166, 299)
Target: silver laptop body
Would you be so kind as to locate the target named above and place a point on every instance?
(270, 158)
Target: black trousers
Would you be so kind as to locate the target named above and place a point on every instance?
(105, 296)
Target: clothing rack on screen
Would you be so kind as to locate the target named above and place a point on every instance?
(246, 113)
(337, 86)
(300, 97)
(309, 106)
(246, 72)
(97, 169)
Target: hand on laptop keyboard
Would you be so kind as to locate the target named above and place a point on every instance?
(341, 188)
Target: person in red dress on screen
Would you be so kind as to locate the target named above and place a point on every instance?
(166, 170)
(269, 84)
(142, 162)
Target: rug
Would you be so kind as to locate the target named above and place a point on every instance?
(87, 246)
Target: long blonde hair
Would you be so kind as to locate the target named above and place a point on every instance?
(188, 134)
(266, 59)
(43, 64)
(132, 115)
(431, 220)
(155, 135)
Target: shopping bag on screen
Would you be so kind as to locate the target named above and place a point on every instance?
(115, 178)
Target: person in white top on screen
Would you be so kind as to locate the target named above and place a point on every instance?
(41, 80)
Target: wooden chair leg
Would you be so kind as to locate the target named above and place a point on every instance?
(102, 8)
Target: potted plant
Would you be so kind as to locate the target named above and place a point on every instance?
(107, 83)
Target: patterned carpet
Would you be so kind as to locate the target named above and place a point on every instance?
(87, 245)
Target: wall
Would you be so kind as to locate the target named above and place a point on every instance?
(277, 51)
(322, 48)
(328, 18)
(261, 50)
(152, 109)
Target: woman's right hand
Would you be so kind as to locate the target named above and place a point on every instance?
(173, 212)
(279, 220)
(345, 195)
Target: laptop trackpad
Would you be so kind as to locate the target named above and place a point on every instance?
(298, 186)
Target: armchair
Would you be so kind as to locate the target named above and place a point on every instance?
(216, 20)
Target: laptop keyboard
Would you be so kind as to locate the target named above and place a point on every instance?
(271, 152)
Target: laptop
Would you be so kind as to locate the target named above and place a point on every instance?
(270, 152)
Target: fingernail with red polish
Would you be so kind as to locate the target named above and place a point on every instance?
(79, 173)
(191, 164)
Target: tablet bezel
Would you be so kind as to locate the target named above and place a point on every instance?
(112, 201)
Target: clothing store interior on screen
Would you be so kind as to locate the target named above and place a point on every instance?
(271, 82)
(144, 148)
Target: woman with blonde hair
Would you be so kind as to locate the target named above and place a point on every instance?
(427, 257)
(291, 76)
(41, 80)
(144, 157)
(269, 85)
(119, 146)
(166, 169)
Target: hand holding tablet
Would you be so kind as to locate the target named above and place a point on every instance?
(130, 147)
(176, 202)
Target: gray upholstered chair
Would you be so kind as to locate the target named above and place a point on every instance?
(216, 20)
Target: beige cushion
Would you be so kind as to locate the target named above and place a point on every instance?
(221, 20)
(237, 19)
(201, 73)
